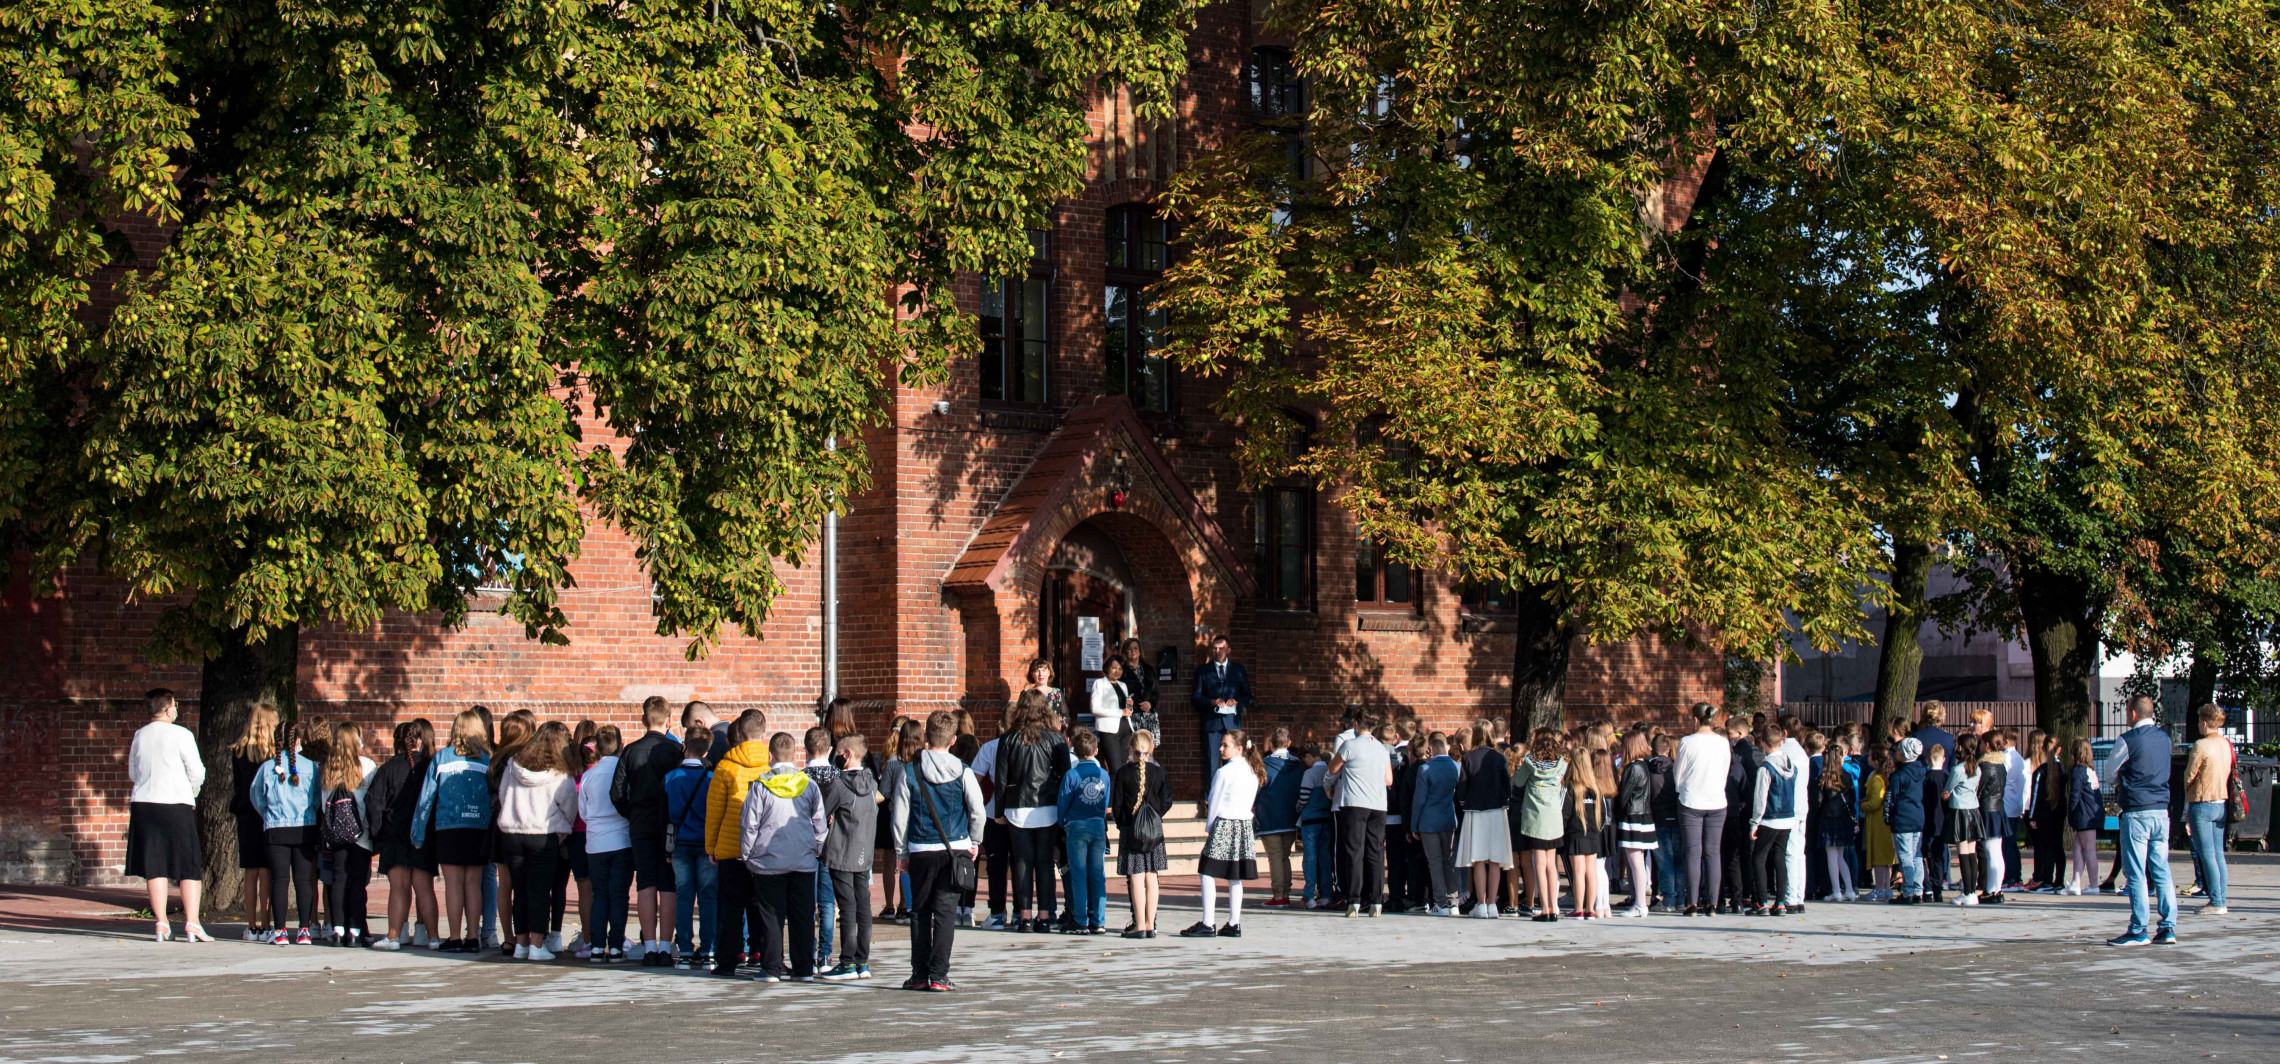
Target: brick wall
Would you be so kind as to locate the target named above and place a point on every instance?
(908, 643)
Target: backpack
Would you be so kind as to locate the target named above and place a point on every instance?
(2236, 796)
(342, 823)
(1147, 823)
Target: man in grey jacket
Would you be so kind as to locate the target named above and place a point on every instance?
(784, 832)
(851, 806)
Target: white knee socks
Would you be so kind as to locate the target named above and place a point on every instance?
(1210, 890)
(1235, 901)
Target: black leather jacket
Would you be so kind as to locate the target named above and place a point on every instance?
(1029, 774)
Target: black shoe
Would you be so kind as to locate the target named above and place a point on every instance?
(1991, 899)
(2166, 936)
(914, 983)
(1690, 908)
(1199, 930)
(1231, 931)
(725, 973)
(1134, 932)
(1150, 933)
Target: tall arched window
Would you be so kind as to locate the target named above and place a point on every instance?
(1138, 251)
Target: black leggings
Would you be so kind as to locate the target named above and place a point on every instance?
(1032, 850)
(351, 874)
(1768, 870)
(1701, 833)
(293, 860)
(530, 861)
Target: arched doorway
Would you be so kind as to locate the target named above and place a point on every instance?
(1089, 605)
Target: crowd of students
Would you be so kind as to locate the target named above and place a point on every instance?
(750, 852)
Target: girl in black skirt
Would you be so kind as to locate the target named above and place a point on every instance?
(1585, 820)
(1140, 782)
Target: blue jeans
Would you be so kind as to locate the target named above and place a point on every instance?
(1088, 871)
(1908, 853)
(1666, 865)
(826, 911)
(490, 901)
(696, 886)
(1315, 837)
(611, 876)
(2145, 860)
(2205, 829)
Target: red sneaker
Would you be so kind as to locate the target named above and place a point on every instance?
(1278, 903)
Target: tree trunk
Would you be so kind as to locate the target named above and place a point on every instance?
(2200, 683)
(233, 681)
(2063, 625)
(1540, 654)
(1900, 661)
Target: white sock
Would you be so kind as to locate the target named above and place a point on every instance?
(1235, 902)
(1209, 888)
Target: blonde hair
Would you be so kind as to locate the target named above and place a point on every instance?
(257, 741)
(344, 758)
(469, 735)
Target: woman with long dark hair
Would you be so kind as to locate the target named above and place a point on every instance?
(390, 802)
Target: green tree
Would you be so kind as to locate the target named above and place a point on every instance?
(1467, 282)
(2029, 295)
(419, 242)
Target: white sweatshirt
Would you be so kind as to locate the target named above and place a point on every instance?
(606, 829)
(1703, 760)
(1234, 791)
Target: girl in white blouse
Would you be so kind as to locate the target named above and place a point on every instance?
(1230, 850)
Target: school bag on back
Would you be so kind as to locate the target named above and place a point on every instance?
(342, 823)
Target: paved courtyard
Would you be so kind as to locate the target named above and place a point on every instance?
(2027, 981)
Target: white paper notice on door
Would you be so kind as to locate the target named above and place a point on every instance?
(1094, 650)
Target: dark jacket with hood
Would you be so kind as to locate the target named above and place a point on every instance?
(851, 804)
(638, 788)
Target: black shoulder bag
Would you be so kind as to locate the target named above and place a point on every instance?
(962, 871)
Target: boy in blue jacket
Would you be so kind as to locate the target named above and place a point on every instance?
(1083, 807)
(1433, 817)
(1275, 814)
(696, 880)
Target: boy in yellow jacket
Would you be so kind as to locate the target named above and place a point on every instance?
(745, 761)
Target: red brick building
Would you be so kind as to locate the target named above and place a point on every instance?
(1063, 475)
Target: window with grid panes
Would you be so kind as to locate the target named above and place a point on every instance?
(1016, 335)
(1380, 581)
(1138, 251)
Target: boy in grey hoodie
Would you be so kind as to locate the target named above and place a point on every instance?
(851, 809)
(784, 831)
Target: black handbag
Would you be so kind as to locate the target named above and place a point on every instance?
(962, 871)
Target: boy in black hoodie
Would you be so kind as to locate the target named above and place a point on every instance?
(851, 808)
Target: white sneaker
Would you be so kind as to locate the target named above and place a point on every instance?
(1968, 899)
(1353, 911)
(433, 943)
(388, 944)
(251, 937)
(1376, 911)
(522, 952)
(2214, 910)
(553, 942)
(536, 953)
(1633, 913)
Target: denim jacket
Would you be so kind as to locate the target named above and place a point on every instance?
(457, 792)
(281, 803)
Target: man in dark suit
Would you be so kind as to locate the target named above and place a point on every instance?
(1221, 693)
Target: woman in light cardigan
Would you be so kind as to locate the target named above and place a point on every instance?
(162, 814)
(1111, 704)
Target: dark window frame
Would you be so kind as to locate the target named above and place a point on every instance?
(1138, 249)
(1482, 600)
(1375, 591)
(998, 375)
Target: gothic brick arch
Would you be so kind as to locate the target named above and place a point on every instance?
(1101, 469)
